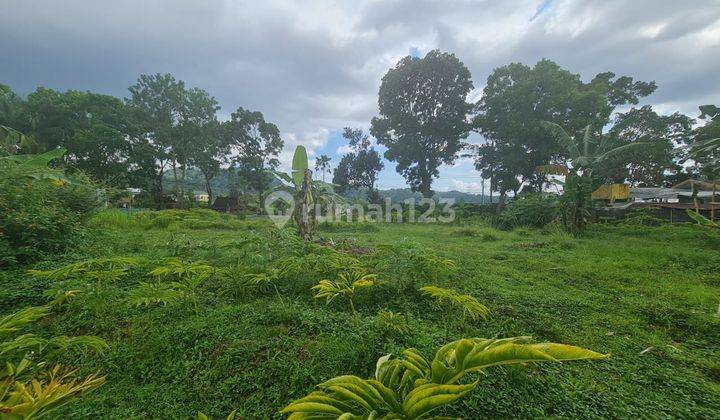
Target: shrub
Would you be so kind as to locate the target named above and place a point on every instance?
(41, 211)
(530, 210)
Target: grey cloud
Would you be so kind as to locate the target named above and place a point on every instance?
(313, 67)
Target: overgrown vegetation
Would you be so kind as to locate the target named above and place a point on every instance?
(652, 306)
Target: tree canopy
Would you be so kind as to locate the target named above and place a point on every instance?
(423, 115)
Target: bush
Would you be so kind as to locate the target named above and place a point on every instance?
(530, 210)
(41, 212)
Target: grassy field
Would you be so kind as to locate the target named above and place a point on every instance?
(647, 295)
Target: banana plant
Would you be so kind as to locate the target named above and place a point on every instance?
(309, 194)
(585, 155)
(411, 386)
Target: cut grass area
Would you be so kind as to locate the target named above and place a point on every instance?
(647, 295)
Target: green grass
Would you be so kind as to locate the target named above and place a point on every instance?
(615, 289)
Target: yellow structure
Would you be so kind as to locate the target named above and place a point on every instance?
(612, 192)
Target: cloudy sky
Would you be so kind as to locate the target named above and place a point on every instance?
(313, 67)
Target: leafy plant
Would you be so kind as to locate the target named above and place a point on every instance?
(410, 262)
(347, 284)
(42, 210)
(111, 269)
(147, 294)
(24, 391)
(392, 321)
(585, 154)
(188, 277)
(701, 220)
(41, 396)
(412, 386)
(469, 306)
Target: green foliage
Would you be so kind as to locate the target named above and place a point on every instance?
(42, 211)
(701, 220)
(38, 397)
(530, 210)
(346, 285)
(358, 169)
(148, 294)
(25, 391)
(187, 276)
(392, 321)
(417, 137)
(470, 307)
(409, 263)
(413, 386)
(616, 288)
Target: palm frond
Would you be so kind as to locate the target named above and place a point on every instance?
(469, 306)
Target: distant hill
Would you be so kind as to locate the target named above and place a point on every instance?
(401, 194)
(220, 184)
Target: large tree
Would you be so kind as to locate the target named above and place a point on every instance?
(647, 165)
(360, 167)
(210, 154)
(196, 132)
(90, 126)
(423, 115)
(155, 105)
(256, 144)
(517, 98)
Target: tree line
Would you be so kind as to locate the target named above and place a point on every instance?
(162, 127)
(424, 122)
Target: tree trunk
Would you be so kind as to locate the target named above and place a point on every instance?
(208, 189)
(425, 179)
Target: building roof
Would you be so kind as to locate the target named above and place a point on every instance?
(649, 193)
(701, 185)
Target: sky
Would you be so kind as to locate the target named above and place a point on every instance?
(314, 67)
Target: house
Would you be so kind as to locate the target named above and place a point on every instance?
(704, 192)
(228, 204)
(667, 203)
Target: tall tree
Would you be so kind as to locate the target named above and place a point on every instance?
(423, 115)
(322, 164)
(155, 104)
(517, 98)
(256, 144)
(647, 165)
(210, 154)
(359, 168)
(195, 130)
